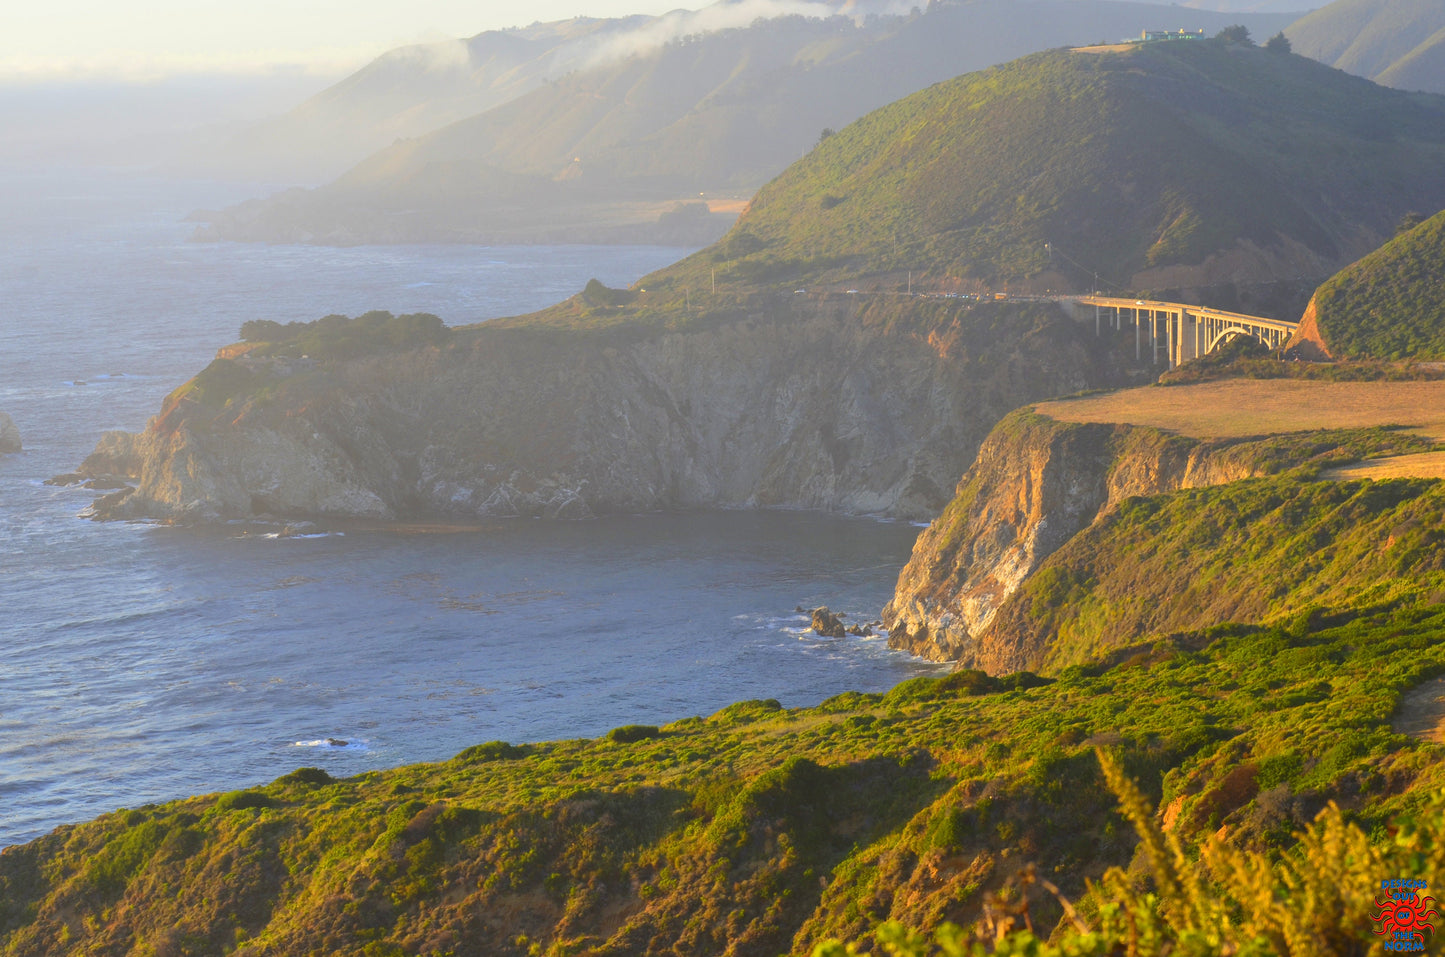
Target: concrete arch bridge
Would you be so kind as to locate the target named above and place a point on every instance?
(1180, 331)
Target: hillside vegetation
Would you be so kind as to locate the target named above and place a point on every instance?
(1399, 43)
(760, 831)
(1166, 164)
(1254, 551)
(993, 584)
(1391, 304)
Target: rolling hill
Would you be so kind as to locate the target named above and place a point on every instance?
(589, 153)
(1389, 305)
(1399, 43)
(1158, 166)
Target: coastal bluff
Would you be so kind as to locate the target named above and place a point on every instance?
(819, 405)
(1036, 484)
(1089, 524)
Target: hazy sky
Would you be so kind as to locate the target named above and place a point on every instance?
(48, 39)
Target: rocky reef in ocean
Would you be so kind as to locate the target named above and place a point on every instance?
(9, 435)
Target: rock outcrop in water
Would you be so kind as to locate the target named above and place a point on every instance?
(9, 435)
(828, 625)
(1036, 484)
(801, 405)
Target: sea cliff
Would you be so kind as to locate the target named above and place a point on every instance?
(807, 405)
(1035, 485)
(1004, 579)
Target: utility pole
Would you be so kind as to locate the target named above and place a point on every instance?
(714, 282)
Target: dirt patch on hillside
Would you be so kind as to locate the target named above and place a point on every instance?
(1236, 408)
(1421, 712)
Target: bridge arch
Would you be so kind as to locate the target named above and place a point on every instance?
(1234, 332)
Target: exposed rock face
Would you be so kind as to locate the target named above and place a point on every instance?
(812, 409)
(1307, 343)
(828, 625)
(1035, 485)
(9, 435)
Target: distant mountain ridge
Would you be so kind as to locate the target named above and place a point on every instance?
(408, 92)
(716, 113)
(1399, 43)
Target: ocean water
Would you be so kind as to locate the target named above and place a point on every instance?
(141, 663)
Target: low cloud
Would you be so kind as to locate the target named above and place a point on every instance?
(437, 56)
(724, 15)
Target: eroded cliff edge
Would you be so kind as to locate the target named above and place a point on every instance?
(1036, 484)
(839, 406)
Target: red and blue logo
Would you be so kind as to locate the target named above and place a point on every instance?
(1402, 915)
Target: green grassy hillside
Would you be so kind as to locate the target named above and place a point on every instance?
(1254, 551)
(1391, 304)
(1399, 43)
(1126, 162)
(761, 831)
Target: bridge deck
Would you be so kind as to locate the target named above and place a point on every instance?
(1282, 325)
(1188, 331)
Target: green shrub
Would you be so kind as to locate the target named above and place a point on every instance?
(341, 337)
(746, 711)
(310, 777)
(629, 733)
(245, 800)
(490, 751)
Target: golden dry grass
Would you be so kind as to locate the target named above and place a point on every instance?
(1421, 465)
(1244, 407)
(1235, 408)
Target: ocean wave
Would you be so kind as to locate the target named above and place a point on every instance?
(336, 744)
(283, 534)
